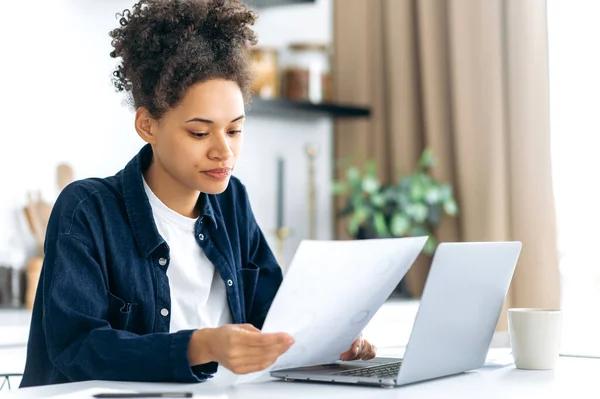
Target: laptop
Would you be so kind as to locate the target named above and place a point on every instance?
(457, 316)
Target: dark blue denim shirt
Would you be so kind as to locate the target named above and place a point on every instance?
(97, 312)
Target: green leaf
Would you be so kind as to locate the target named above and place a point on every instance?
(445, 192)
(338, 187)
(432, 195)
(371, 168)
(427, 160)
(450, 207)
(378, 200)
(353, 226)
(356, 220)
(418, 231)
(417, 191)
(408, 210)
(405, 183)
(399, 225)
(430, 245)
(402, 199)
(347, 209)
(388, 194)
(380, 225)
(435, 215)
(370, 184)
(364, 211)
(426, 180)
(353, 175)
(418, 212)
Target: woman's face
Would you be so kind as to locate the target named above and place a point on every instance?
(198, 142)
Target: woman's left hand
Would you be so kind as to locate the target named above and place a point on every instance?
(360, 349)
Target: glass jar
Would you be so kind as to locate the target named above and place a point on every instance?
(265, 66)
(306, 76)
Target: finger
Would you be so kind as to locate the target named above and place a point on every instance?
(257, 352)
(348, 355)
(365, 351)
(241, 332)
(372, 354)
(249, 327)
(243, 352)
(251, 364)
(354, 350)
(266, 340)
(247, 369)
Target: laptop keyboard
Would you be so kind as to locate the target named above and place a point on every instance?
(381, 371)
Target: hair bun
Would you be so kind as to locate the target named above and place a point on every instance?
(167, 45)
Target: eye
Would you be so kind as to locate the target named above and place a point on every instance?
(234, 132)
(198, 135)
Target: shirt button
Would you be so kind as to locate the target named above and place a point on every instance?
(201, 237)
(162, 261)
(164, 312)
(229, 283)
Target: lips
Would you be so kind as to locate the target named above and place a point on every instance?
(219, 174)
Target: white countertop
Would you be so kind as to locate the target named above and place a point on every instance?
(14, 327)
(14, 332)
(389, 329)
(573, 377)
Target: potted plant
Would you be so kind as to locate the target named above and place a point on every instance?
(413, 206)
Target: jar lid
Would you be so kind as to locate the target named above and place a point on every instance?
(264, 49)
(308, 46)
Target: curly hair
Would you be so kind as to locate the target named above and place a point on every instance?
(166, 46)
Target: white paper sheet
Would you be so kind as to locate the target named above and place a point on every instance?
(332, 290)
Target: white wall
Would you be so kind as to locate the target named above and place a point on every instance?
(57, 105)
(268, 138)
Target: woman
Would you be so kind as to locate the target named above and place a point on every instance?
(160, 273)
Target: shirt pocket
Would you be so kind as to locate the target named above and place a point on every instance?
(249, 278)
(119, 312)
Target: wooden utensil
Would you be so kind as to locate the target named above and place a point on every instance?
(37, 212)
(64, 175)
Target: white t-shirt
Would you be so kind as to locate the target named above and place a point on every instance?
(198, 294)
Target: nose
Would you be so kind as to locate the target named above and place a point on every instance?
(220, 148)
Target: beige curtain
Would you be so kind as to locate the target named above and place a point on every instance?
(469, 79)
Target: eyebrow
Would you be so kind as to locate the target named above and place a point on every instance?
(197, 119)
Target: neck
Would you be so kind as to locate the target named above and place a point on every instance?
(172, 193)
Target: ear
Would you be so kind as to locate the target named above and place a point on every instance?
(145, 125)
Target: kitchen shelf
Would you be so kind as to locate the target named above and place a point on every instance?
(273, 3)
(282, 107)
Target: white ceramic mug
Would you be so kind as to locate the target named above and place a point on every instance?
(535, 337)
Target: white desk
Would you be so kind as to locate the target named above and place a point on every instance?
(573, 377)
(14, 332)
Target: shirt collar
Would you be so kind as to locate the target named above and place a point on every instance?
(138, 206)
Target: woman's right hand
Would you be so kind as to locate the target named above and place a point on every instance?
(241, 348)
